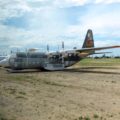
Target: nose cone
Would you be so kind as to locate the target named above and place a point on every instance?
(4, 63)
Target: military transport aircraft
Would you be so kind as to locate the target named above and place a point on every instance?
(54, 60)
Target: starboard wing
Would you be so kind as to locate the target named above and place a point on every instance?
(96, 48)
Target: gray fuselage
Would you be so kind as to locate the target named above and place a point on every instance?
(38, 60)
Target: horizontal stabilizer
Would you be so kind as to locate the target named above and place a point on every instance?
(102, 52)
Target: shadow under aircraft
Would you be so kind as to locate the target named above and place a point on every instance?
(98, 70)
(53, 60)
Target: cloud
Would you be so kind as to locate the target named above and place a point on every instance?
(13, 9)
(70, 3)
(107, 1)
(104, 20)
(36, 23)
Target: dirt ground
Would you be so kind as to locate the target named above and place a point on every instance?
(88, 93)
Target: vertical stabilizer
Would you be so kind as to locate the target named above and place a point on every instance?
(89, 42)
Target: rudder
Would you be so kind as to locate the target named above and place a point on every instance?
(88, 42)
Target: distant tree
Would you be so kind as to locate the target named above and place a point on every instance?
(117, 57)
(96, 57)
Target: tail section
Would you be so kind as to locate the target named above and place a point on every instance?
(89, 42)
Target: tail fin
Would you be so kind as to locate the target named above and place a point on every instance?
(89, 42)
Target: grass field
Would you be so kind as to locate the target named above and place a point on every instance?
(99, 62)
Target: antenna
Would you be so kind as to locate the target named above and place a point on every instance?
(63, 45)
(47, 48)
(11, 52)
(63, 52)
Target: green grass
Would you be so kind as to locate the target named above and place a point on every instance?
(20, 97)
(19, 77)
(95, 116)
(22, 93)
(54, 84)
(2, 117)
(84, 118)
(99, 62)
(80, 118)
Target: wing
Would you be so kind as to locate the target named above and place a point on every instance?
(96, 48)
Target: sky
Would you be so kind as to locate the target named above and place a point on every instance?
(36, 23)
